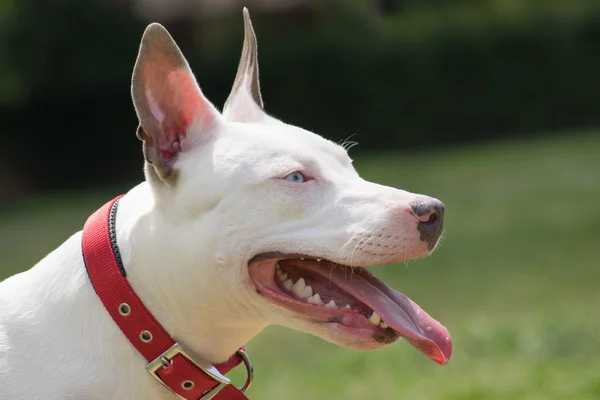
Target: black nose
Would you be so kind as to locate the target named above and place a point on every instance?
(431, 220)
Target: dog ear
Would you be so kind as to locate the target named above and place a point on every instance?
(167, 101)
(245, 104)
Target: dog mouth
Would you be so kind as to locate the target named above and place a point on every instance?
(352, 297)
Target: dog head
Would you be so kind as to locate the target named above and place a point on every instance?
(274, 213)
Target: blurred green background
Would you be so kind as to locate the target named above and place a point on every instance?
(490, 105)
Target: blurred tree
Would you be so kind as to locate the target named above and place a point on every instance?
(385, 7)
(425, 76)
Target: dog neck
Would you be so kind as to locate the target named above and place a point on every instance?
(191, 298)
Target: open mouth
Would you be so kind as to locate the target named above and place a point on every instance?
(352, 297)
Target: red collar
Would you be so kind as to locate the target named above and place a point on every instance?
(167, 361)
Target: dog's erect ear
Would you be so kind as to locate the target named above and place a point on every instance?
(245, 104)
(167, 100)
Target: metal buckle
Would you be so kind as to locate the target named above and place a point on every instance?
(165, 358)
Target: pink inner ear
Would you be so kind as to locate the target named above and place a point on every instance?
(175, 103)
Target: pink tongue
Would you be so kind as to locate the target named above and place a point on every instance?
(399, 312)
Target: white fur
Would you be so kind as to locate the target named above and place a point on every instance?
(186, 251)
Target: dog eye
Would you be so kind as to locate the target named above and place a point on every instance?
(295, 177)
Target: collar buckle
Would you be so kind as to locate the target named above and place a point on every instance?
(165, 359)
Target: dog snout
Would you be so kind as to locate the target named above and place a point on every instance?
(430, 213)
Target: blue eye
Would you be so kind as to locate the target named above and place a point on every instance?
(295, 177)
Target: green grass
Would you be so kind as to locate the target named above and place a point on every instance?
(516, 279)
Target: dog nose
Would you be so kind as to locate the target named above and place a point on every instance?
(431, 220)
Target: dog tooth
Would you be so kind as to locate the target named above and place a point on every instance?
(288, 284)
(383, 325)
(331, 304)
(308, 292)
(348, 306)
(283, 276)
(302, 258)
(298, 287)
(300, 283)
(315, 299)
(375, 319)
(319, 259)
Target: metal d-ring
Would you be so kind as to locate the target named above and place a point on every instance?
(249, 370)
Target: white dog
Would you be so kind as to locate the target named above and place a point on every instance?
(243, 221)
